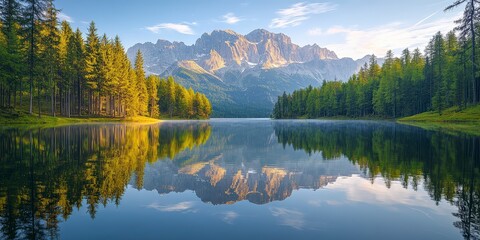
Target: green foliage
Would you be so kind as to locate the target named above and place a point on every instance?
(152, 88)
(175, 101)
(141, 87)
(74, 77)
(403, 86)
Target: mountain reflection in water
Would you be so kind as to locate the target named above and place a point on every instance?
(48, 173)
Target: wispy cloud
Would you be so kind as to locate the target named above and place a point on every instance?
(289, 217)
(64, 17)
(230, 18)
(178, 27)
(394, 36)
(179, 207)
(299, 12)
(229, 216)
(358, 189)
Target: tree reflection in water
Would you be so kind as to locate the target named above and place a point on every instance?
(449, 165)
(46, 173)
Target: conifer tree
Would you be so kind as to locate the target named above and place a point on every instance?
(92, 66)
(152, 87)
(468, 28)
(34, 11)
(141, 85)
(10, 15)
(76, 63)
(66, 67)
(50, 55)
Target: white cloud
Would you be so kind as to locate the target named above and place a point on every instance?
(64, 17)
(230, 18)
(229, 216)
(179, 207)
(359, 189)
(178, 27)
(315, 32)
(299, 12)
(394, 36)
(289, 217)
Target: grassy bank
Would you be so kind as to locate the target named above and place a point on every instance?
(22, 118)
(452, 120)
(469, 115)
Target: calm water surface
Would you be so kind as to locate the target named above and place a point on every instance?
(239, 179)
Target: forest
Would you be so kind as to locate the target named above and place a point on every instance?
(47, 67)
(445, 75)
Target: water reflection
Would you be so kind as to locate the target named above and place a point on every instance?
(448, 165)
(48, 173)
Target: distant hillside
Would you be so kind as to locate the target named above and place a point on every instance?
(243, 75)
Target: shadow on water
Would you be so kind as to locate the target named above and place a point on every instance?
(48, 173)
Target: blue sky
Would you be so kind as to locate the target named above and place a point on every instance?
(351, 28)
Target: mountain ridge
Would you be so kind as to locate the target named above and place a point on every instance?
(236, 71)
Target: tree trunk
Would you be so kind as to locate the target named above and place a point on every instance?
(52, 99)
(69, 96)
(21, 93)
(474, 64)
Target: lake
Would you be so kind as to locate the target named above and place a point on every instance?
(239, 179)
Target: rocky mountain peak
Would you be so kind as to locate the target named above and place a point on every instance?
(215, 62)
(229, 49)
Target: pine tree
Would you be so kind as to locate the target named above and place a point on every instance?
(66, 68)
(171, 96)
(10, 15)
(92, 66)
(468, 27)
(3, 64)
(131, 98)
(50, 58)
(118, 74)
(34, 16)
(438, 58)
(452, 69)
(108, 73)
(141, 85)
(76, 63)
(152, 88)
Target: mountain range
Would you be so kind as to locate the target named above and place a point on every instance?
(243, 75)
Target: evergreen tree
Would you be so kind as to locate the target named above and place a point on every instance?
(34, 16)
(3, 65)
(141, 85)
(92, 66)
(76, 66)
(468, 28)
(10, 15)
(152, 88)
(438, 58)
(50, 55)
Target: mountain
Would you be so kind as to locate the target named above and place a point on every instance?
(242, 75)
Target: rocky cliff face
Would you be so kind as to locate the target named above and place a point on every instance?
(243, 74)
(230, 49)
